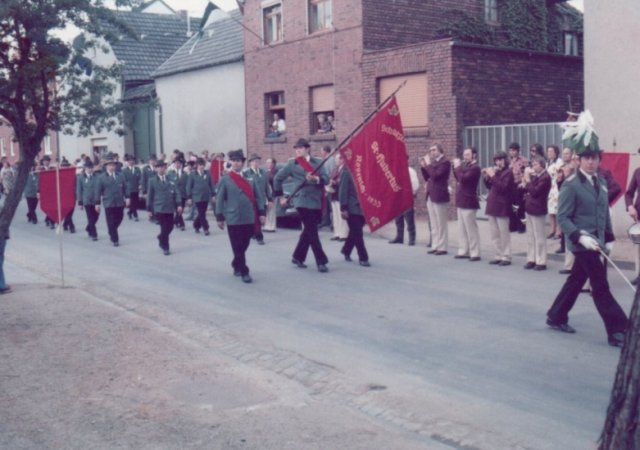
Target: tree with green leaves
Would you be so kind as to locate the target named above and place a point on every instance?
(47, 84)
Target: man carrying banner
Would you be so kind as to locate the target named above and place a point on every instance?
(86, 192)
(240, 204)
(308, 200)
(111, 190)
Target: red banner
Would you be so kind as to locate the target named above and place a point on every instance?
(618, 164)
(378, 161)
(49, 192)
(217, 167)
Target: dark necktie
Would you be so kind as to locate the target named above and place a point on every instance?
(596, 186)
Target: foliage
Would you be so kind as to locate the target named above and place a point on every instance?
(34, 62)
(523, 24)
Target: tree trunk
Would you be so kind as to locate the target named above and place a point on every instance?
(12, 200)
(621, 430)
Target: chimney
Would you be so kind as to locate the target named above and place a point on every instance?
(183, 13)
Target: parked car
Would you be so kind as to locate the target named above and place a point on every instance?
(287, 217)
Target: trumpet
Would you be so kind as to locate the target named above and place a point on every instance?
(489, 171)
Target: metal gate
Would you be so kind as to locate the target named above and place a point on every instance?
(492, 138)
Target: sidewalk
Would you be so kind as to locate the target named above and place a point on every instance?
(623, 252)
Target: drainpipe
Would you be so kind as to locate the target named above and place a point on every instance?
(161, 128)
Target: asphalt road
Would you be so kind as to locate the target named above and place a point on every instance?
(454, 352)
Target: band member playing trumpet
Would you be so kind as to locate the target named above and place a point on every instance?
(467, 175)
(499, 180)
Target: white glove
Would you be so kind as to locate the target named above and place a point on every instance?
(608, 247)
(589, 243)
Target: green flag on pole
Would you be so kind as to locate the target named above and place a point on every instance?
(207, 12)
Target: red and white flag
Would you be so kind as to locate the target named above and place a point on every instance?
(378, 161)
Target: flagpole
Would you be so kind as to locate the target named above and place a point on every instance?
(59, 230)
(355, 130)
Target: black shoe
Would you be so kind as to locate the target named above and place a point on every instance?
(495, 262)
(564, 272)
(197, 231)
(94, 238)
(616, 339)
(5, 290)
(72, 230)
(411, 243)
(206, 232)
(529, 265)
(260, 242)
(300, 264)
(431, 252)
(347, 258)
(560, 251)
(564, 327)
(182, 228)
(540, 267)
(135, 219)
(461, 257)
(636, 280)
(166, 252)
(365, 263)
(246, 278)
(236, 273)
(440, 252)
(116, 244)
(474, 258)
(504, 263)
(322, 268)
(335, 238)
(396, 241)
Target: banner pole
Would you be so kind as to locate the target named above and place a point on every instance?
(354, 131)
(59, 230)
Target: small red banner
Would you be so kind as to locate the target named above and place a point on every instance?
(618, 164)
(217, 168)
(378, 161)
(49, 192)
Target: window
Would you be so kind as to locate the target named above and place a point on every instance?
(491, 11)
(275, 114)
(322, 110)
(319, 15)
(570, 43)
(272, 23)
(412, 98)
(47, 145)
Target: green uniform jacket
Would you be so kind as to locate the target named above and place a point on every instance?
(262, 181)
(581, 209)
(200, 188)
(147, 174)
(233, 206)
(180, 181)
(32, 187)
(310, 195)
(347, 195)
(86, 189)
(111, 190)
(163, 197)
(132, 176)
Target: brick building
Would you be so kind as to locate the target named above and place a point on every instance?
(10, 148)
(461, 61)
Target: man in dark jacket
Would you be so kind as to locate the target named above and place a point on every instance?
(132, 176)
(111, 190)
(435, 171)
(537, 183)
(352, 213)
(87, 194)
(467, 175)
(499, 181)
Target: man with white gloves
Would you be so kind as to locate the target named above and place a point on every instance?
(583, 215)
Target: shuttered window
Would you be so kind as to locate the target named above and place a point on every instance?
(322, 109)
(322, 98)
(412, 98)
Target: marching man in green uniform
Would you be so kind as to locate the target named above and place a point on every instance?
(111, 189)
(31, 192)
(163, 198)
(240, 204)
(179, 177)
(200, 191)
(583, 215)
(133, 175)
(308, 200)
(86, 193)
(261, 177)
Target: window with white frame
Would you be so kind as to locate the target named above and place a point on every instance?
(570, 43)
(491, 11)
(275, 114)
(272, 23)
(320, 17)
